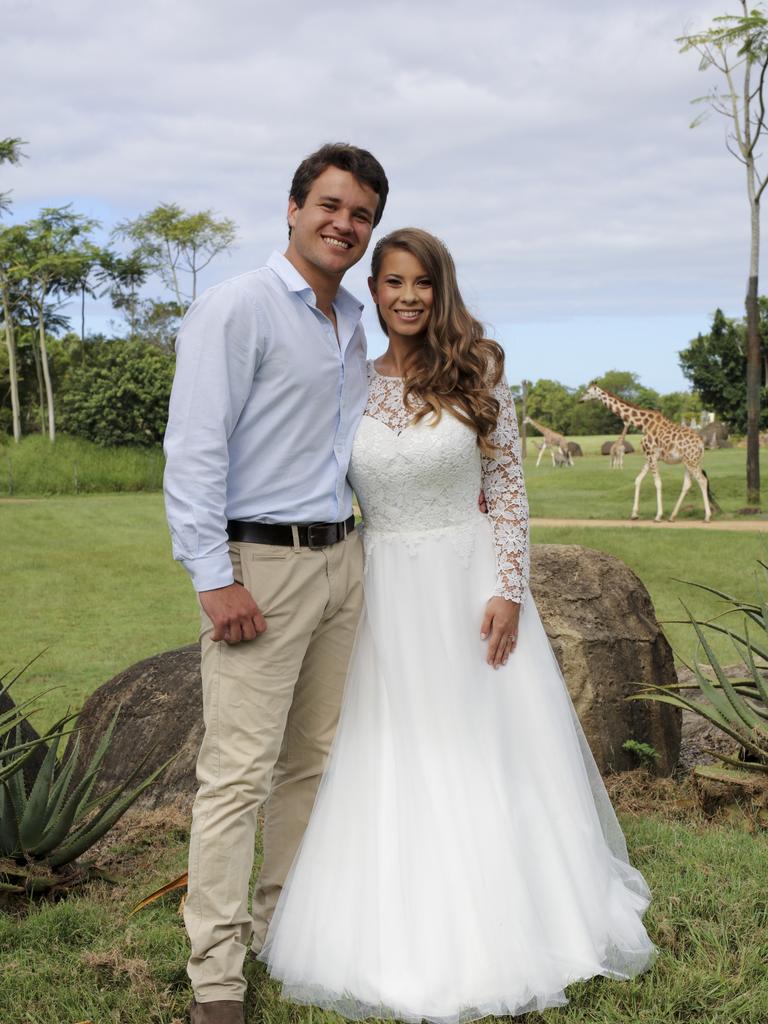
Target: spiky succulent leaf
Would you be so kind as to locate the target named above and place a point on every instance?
(752, 766)
(61, 786)
(740, 707)
(11, 820)
(178, 883)
(59, 828)
(718, 593)
(703, 710)
(9, 887)
(756, 676)
(70, 850)
(718, 773)
(9, 834)
(98, 757)
(760, 651)
(35, 815)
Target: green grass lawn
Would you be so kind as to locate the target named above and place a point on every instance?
(590, 489)
(83, 959)
(92, 580)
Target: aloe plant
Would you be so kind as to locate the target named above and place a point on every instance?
(737, 707)
(48, 822)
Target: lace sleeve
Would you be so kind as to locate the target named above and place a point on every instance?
(507, 502)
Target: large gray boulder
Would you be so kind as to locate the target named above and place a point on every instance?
(605, 447)
(597, 614)
(715, 435)
(600, 621)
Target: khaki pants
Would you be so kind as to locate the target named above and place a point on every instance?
(270, 707)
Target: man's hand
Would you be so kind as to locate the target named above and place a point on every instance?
(233, 612)
(500, 629)
(481, 503)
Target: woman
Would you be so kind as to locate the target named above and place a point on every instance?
(462, 857)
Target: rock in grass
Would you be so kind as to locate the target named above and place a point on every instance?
(597, 614)
(601, 623)
(605, 448)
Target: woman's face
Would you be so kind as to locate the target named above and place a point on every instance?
(403, 293)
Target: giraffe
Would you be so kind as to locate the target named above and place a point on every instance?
(618, 449)
(662, 441)
(552, 440)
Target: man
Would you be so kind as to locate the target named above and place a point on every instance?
(270, 386)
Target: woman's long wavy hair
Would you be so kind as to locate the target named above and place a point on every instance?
(455, 367)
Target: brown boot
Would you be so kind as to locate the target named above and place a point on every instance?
(220, 1011)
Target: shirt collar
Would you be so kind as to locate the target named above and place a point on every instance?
(345, 301)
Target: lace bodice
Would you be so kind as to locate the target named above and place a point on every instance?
(412, 478)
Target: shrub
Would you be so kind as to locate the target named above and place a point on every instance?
(120, 396)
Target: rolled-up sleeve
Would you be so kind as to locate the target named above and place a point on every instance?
(218, 351)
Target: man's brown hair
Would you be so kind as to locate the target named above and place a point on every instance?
(358, 162)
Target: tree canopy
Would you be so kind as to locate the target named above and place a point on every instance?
(170, 240)
(715, 364)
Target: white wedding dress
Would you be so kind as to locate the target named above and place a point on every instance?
(462, 858)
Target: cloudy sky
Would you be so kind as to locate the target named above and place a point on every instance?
(547, 143)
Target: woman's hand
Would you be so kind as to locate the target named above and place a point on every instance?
(500, 629)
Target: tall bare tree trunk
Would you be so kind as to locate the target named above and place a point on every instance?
(40, 383)
(46, 375)
(174, 275)
(753, 361)
(10, 342)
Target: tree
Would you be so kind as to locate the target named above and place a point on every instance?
(40, 257)
(680, 405)
(551, 403)
(715, 364)
(87, 265)
(595, 418)
(170, 240)
(124, 275)
(10, 153)
(120, 396)
(158, 323)
(738, 44)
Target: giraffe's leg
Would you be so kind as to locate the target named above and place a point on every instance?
(701, 480)
(657, 482)
(638, 480)
(683, 492)
(541, 452)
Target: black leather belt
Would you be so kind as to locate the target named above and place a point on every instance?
(311, 535)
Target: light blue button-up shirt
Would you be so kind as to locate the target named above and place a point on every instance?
(264, 408)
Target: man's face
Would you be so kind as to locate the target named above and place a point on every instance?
(331, 231)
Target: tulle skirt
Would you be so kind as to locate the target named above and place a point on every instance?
(462, 858)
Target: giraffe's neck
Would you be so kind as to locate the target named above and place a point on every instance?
(542, 429)
(629, 413)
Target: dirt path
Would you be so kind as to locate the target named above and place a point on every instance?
(752, 525)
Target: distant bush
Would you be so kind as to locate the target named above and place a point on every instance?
(120, 396)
